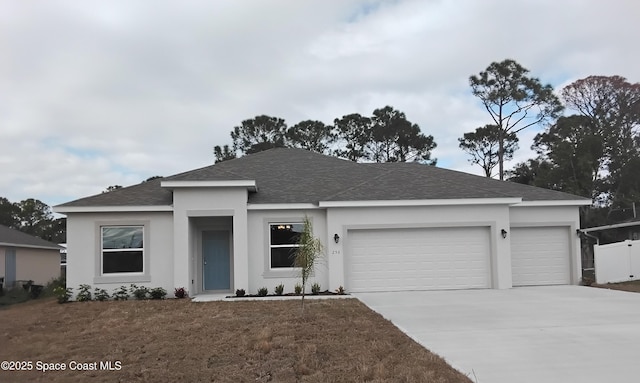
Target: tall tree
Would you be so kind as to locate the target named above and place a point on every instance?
(529, 172)
(57, 232)
(258, 134)
(223, 153)
(574, 151)
(514, 100)
(483, 147)
(35, 217)
(352, 134)
(9, 212)
(309, 135)
(395, 139)
(613, 106)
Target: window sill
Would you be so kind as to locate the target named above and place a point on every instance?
(282, 273)
(122, 279)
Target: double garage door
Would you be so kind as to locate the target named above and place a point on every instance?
(451, 258)
(418, 259)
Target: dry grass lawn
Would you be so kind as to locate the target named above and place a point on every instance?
(338, 340)
(632, 286)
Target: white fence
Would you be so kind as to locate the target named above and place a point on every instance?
(617, 262)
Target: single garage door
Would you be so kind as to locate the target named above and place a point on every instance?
(418, 259)
(540, 256)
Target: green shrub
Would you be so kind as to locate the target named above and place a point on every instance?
(180, 292)
(83, 293)
(240, 293)
(121, 293)
(157, 293)
(297, 289)
(279, 289)
(263, 291)
(139, 292)
(60, 281)
(100, 294)
(315, 288)
(341, 291)
(57, 282)
(63, 294)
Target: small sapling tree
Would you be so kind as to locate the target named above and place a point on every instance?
(307, 255)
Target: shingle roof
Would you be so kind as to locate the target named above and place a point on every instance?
(16, 238)
(287, 175)
(144, 194)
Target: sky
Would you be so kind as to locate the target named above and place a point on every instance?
(100, 93)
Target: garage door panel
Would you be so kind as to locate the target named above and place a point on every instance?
(540, 256)
(418, 259)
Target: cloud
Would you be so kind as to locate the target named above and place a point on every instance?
(113, 92)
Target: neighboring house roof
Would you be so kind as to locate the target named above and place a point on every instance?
(286, 175)
(15, 238)
(629, 223)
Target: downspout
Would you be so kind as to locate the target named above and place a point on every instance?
(580, 232)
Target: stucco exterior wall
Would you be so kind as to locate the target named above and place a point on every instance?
(259, 273)
(38, 265)
(84, 248)
(496, 217)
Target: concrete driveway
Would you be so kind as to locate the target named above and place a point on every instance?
(525, 334)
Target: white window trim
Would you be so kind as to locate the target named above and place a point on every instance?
(290, 245)
(279, 272)
(137, 277)
(103, 250)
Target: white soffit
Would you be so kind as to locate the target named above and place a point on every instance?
(110, 209)
(19, 245)
(281, 206)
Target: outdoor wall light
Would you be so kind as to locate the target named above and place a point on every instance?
(504, 233)
(336, 237)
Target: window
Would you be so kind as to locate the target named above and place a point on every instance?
(283, 243)
(122, 249)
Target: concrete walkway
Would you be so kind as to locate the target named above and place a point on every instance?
(527, 334)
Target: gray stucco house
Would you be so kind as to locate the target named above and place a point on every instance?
(385, 227)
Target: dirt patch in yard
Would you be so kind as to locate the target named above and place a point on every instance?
(632, 286)
(337, 340)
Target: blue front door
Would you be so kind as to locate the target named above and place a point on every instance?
(216, 260)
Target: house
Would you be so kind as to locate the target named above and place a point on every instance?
(617, 232)
(24, 257)
(384, 227)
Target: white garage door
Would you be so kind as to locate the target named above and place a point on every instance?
(540, 256)
(418, 259)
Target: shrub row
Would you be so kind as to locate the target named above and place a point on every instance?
(297, 290)
(122, 293)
